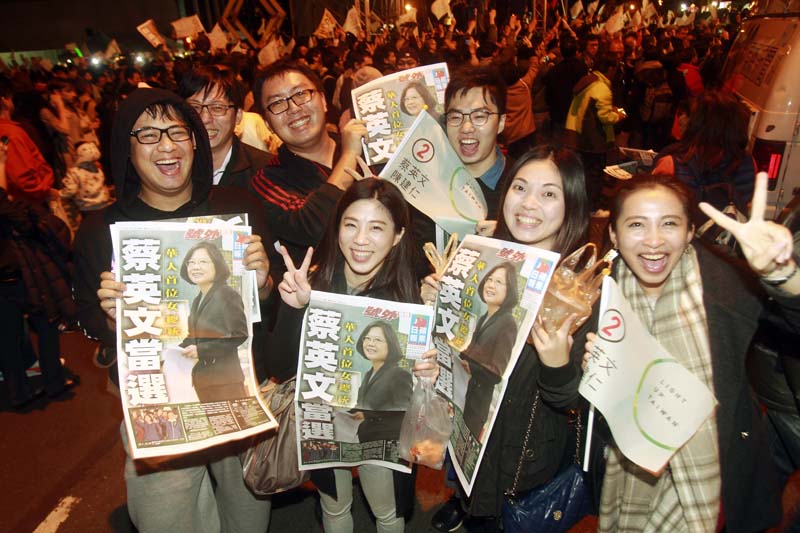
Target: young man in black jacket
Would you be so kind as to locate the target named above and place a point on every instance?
(302, 183)
(218, 97)
(171, 178)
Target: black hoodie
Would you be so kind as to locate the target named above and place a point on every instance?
(93, 249)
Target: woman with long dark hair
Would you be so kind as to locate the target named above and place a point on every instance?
(711, 157)
(544, 204)
(366, 251)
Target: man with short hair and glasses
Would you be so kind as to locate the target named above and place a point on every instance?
(161, 162)
(302, 183)
(475, 114)
(218, 98)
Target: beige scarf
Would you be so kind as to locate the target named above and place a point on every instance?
(686, 496)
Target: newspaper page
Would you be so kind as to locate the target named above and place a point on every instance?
(183, 337)
(491, 293)
(433, 179)
(390, 104)
(354, 379)
(653, 404)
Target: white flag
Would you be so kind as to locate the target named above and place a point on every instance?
(352, 24)
(187, 27)
(218, 38)
(615, 22)
(409, 16)
(112, 50)
(653, 404)
(150, 32)
(576, 9)
(440, 8)
(326, 25)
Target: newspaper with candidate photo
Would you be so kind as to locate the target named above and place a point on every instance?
(390, 104)
(434, 180)
(354, 379)
(184, 332)
(490, 294)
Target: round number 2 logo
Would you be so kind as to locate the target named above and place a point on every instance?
(422, 150)
(612, 326)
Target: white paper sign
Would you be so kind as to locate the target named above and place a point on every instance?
(652, 403)
(150, 32)
(187, 27)
(433, 179)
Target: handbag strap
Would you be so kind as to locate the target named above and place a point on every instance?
(512, 492)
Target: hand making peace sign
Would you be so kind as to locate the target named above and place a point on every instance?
(295, 289)
(767, 246)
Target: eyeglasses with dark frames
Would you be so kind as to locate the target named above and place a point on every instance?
(217, 110)
(479, 117)
(152, 135)
(299, 98)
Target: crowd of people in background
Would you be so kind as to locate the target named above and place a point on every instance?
(534, 114)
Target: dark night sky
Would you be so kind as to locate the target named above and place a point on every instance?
(45, 24)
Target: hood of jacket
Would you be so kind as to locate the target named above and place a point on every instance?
(126, 179)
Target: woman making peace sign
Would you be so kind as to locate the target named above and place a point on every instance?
(366, 251)
(704, 311)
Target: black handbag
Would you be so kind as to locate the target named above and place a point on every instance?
(555, 506)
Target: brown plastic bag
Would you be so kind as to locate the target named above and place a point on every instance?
(270, 464)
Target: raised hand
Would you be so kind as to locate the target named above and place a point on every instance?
(553, 349)
(767, 246)
(295, 290)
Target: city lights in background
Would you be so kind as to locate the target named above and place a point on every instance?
(139, 58)
(408, 7)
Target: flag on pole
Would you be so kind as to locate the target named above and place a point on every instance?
(352, 24)
(326, 25)
(615, 22)
(592, 7)
(576, 9)
(112, 50)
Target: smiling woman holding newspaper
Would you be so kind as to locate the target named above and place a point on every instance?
(704, 312)
(544, 205)
(366, 251)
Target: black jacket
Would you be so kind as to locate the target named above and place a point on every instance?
(297, 199)
(217, 326)
(245, 161)
(751, 495)
(93, 252)
(558, 388)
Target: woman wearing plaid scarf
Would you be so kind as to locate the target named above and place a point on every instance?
(704, 311)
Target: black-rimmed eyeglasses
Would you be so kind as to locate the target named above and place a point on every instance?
(152, 135)
(479, 117)
(299, 98)
(217, 110)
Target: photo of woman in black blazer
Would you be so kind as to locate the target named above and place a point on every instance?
(490, 348)
(385, 391)
(217, 326)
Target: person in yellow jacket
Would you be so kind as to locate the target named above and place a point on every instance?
(590, 124)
